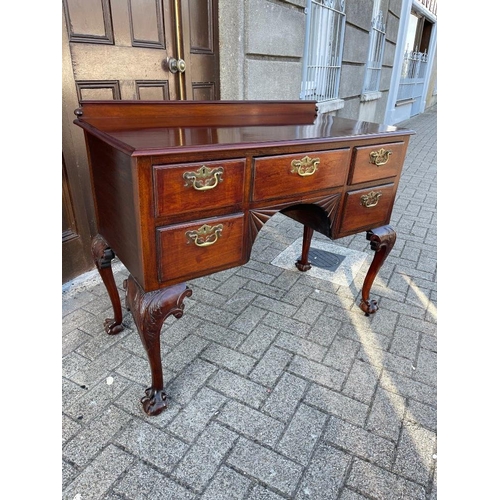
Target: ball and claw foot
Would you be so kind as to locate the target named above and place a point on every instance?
(369, 306)
(302, 267)
(154, 402)
(112, 327)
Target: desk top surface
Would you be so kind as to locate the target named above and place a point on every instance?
(142, 128)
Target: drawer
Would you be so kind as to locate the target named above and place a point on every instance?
(377, 162)
(200, 247)
(367, 208)
(284, 175)
(192, 186)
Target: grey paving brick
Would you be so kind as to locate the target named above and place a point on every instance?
(239, 301)
(251, 423)
(276, 306)
(301, 346)
(95, 436)
(379, 484)
(177, 358)
(405, 386)
(96, 479)
(94, 401)
(261, 493)
(221, 335)
(426, 370)
(309, 311)
(417, 325)
(341, 354)
(94, 371)
(324, 476)
(297, 293)
(281, 322)
(405, 343)
(151, 444)
(255, 275)
(138, 369)
(190, 380)
(239, 388)
(258, 341)
(358, 441)
(285, 397)
(386, 414)
(227, 485)
(173, 333)
(423, 415)
(248, 319)
(265, 465)
(271, 366)
(71, 392)
(264, 290)
(192, 419)
(228, 358)
(74, 339)
(414, 456)
(362, 331)
(324, 331)
(203, 459)
(337, 404)
(68, 473)
(231, 286)
(302, 434)
(204, 311)
(361, 381)
(73, 363)
(69, 428)
(351, 495)
(143, 482)
(316, 372)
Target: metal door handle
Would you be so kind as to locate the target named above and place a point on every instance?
(176, 65)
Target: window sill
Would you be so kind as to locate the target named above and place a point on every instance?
(370, 96)
(331, 105)
(403, 102)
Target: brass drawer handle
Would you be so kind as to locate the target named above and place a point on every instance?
(204, 236)
(380, 157)
(371, 199)
(305, 167)
(204, 178)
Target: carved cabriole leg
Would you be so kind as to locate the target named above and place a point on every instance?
(303, 263)
(103, 255)
(150, 310)
(381, 240)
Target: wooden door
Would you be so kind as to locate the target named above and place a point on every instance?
(126, 49)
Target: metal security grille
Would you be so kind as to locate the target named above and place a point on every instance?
(375, 54)
(325, 29)
(412, 75)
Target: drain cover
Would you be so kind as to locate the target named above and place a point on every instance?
(325, 260)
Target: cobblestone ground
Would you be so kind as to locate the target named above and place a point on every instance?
(279, 386)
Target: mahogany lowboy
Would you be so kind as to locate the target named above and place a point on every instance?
(182, 188)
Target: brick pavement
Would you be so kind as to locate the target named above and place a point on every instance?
(279, 386)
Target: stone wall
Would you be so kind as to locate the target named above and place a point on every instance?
(261, 49)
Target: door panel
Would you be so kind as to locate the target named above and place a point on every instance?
(201, 49)
(119, 49)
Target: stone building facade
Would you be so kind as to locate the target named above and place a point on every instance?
(262, 54)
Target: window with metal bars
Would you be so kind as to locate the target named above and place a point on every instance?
(375, 55)
(325, 30)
